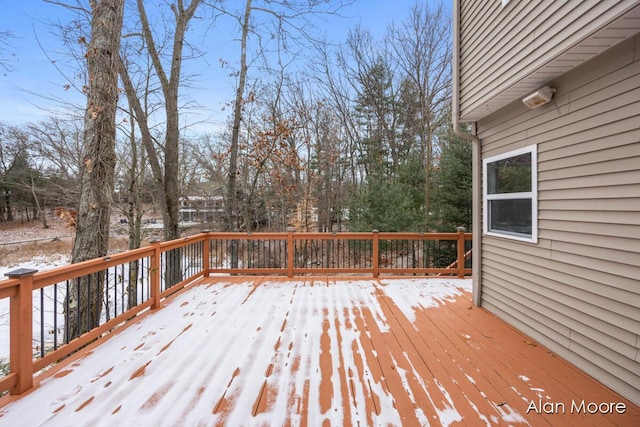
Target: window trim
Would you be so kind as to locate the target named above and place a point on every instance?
(533, 195)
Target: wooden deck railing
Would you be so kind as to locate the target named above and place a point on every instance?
(42, 304)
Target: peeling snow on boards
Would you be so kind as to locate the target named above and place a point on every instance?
(247, 354)
(261, 353)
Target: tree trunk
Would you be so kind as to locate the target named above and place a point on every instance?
(40, 209)
(232, 197)
(166, 176)
(7, 198)
(134, 212)
(92, 229)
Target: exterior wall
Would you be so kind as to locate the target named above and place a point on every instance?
(501, 46)
(577, 291)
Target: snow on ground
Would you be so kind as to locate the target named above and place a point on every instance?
(180, 366)
(20, 233)
(41, 263)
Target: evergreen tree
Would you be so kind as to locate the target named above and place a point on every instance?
(391, 203)
(451, 192)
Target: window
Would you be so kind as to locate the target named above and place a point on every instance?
(510, 195)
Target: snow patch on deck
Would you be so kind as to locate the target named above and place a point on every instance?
(265, 353)
(415, 294)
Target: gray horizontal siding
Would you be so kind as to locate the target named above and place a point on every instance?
(520, 39)
(577, 290)
(598, 288)
(595, 228)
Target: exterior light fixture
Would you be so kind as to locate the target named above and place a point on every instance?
(539, 97)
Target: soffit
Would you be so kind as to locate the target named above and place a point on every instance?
(615, 32)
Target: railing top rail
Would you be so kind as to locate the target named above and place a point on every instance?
(70, 271)
(8, 283)
(250, 236)
(421, 236)
(173, 244)
(337, 235)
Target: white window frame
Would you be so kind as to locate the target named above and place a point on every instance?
(533, 195)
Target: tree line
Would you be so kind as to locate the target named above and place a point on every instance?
(354, 136)
(357, 140)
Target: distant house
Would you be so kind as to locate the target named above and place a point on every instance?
(201, 208)
(203, 202)
(557, 181)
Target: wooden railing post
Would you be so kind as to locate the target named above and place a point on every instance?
(155, 274)
(21, 330)
(461, 231)
(206, 249)
(290, 251)
(376, 253)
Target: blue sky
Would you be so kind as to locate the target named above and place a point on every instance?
(33, 78)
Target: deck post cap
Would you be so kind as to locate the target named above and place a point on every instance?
(21, 272)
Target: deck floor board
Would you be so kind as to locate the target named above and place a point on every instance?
(315, 352)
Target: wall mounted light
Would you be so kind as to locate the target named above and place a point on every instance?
(539, 97)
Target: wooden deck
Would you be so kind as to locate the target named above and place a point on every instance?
(318, 352)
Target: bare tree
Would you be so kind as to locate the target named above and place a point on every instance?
(22, 182)
(92, 230)
(131, 173)
(336, 90)
(58, 143)
(163, 157)
(421, 48)
(9, 152)
(324, 148)
(165, 167)
(232, 197)
(39, 207)
(289, 25)
(4, 43)
(133, 161)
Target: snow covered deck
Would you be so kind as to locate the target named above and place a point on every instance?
(317, 352)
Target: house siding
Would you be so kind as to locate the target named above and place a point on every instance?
(519, 39)
(577, 291)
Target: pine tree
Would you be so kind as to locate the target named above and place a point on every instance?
(451, 192)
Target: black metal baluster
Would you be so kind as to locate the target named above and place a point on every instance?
(79, 314)
(104, 279)
(66, 315)
(124, 284)
(41, 322)
(55, 316)
(163, 257)
(141, 281)
(405, 252)
(106, 295)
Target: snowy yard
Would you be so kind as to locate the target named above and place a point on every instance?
(40, 264)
